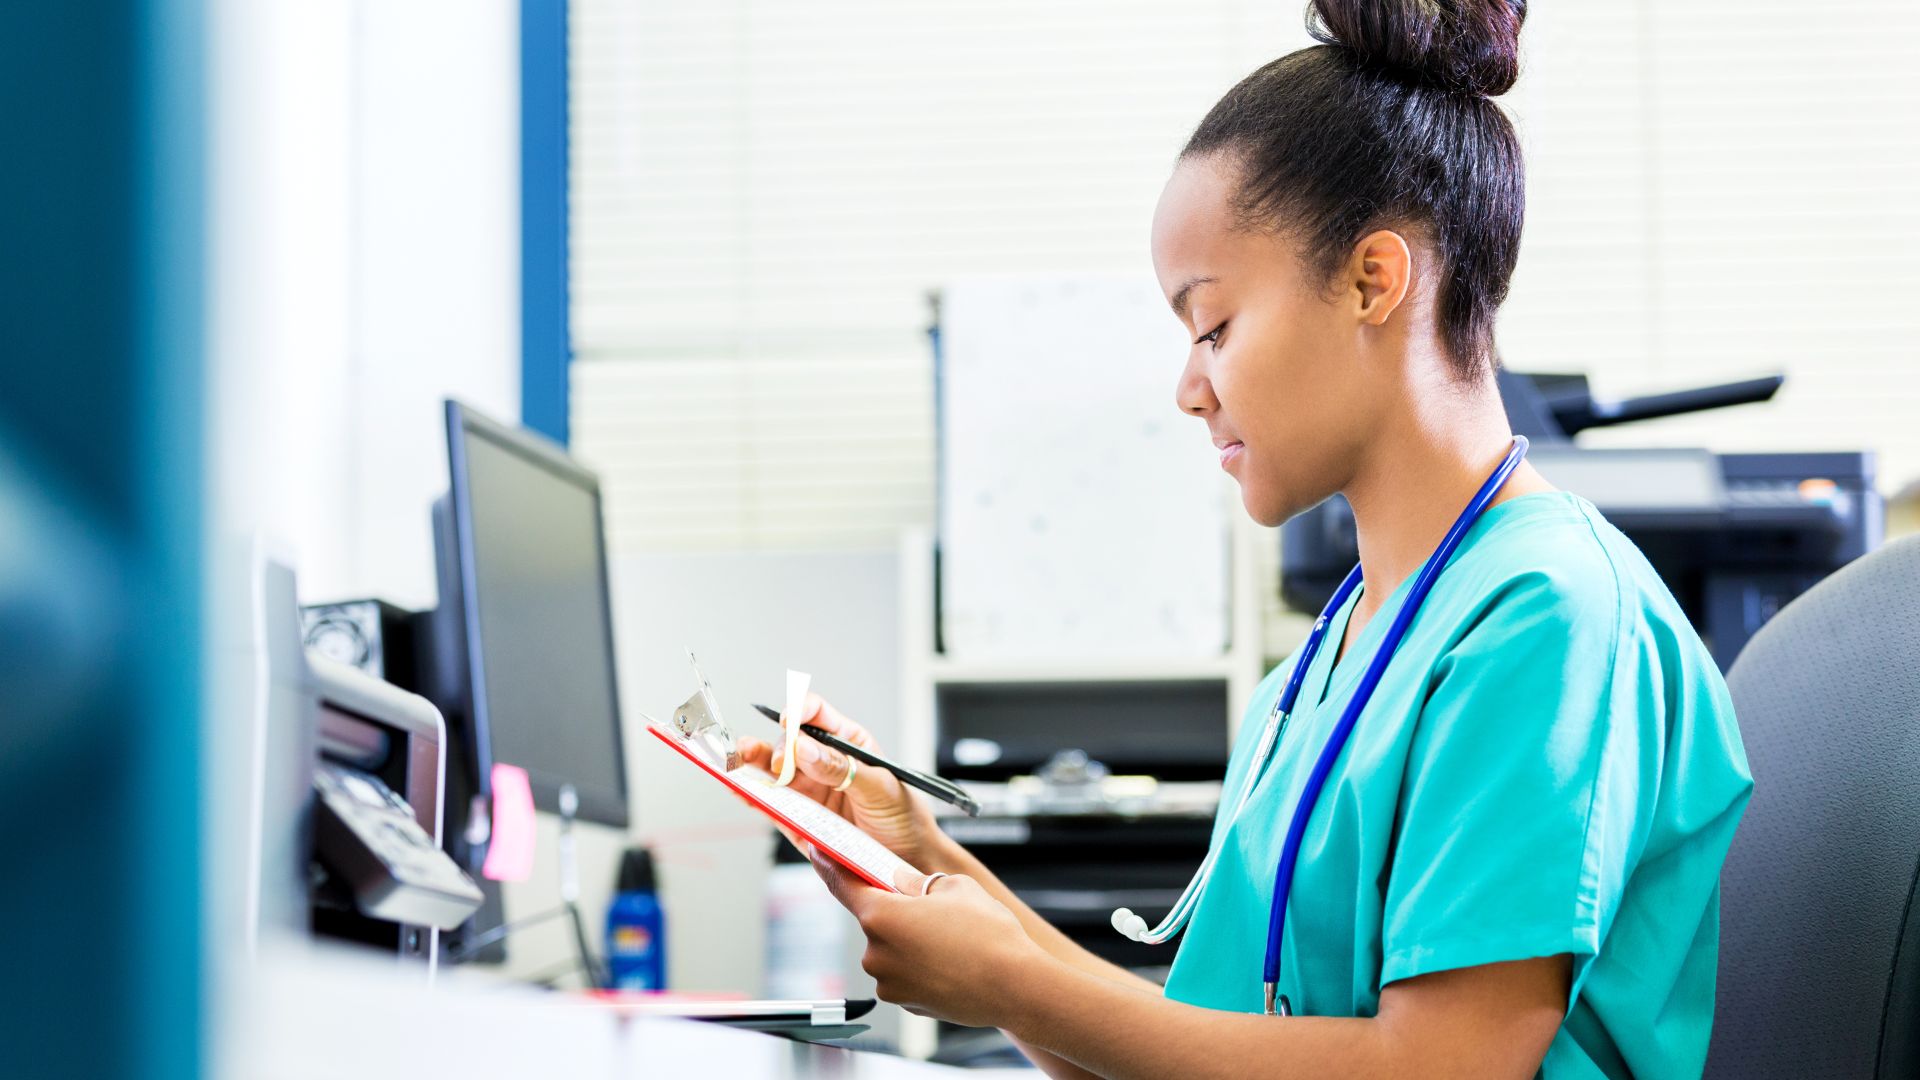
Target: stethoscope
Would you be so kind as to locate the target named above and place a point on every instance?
(1133, 925)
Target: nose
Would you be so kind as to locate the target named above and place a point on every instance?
(1194, 394)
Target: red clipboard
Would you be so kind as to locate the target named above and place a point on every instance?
(821, 827)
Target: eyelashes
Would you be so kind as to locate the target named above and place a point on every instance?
(1212, 336)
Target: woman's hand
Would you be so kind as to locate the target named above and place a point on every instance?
(951, 953)
(877, 802)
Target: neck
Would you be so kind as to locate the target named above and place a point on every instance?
(1432, 456)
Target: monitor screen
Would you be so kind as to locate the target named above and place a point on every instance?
(539, 628)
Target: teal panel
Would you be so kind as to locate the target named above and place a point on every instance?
(101, 217)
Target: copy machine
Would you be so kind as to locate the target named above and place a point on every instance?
(1734, 536)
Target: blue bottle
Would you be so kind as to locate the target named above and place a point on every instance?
(636, 928)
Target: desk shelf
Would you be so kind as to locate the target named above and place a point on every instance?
(926, 673)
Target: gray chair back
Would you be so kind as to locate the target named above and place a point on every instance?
(1819, 939)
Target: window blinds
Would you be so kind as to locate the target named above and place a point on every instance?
(1724, 188)
(764, 194)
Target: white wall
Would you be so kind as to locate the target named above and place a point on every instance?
(364, 220)
(283, 145)
(366, 250)
(437, 281)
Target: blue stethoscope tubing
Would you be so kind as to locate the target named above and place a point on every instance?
(1135, 927)
(1377, 667)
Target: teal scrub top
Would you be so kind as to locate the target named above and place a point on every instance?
(1550, 765)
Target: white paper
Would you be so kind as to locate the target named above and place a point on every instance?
(829, 829)
(797, 682)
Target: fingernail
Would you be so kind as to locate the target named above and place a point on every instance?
(809, 753)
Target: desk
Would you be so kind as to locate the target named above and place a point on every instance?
(299, 1014)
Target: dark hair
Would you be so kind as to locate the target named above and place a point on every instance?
(1389, 123)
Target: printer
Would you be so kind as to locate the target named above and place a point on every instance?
(1734, 536)
(347, 799)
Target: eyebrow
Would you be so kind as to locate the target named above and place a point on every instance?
(1181, 294)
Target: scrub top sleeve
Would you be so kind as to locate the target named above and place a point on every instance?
(1522, 787)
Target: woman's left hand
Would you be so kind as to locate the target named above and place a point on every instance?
(953, 953)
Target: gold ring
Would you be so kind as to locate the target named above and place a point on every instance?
(848, 782)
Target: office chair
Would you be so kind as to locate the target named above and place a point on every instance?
(1819, 936)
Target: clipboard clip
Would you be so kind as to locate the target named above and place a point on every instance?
(698, 721)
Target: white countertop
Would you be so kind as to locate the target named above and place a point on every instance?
(302, 1014)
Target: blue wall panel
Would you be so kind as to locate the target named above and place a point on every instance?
(545, 339)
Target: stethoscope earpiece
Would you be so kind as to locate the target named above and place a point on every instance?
(1130, 925)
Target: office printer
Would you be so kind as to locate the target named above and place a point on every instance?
(348, 799)
(1734, 536)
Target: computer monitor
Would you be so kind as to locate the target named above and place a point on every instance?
(529, 576)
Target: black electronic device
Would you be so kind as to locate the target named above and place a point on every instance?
(1733, 536)
(373, 635)
(371, 758)
(346, 789)
(518, 654)
(1172, 730)
(524, 640)
(368, 837)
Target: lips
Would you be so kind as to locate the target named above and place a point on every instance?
(1230, 449)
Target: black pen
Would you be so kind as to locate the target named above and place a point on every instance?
(945, 790)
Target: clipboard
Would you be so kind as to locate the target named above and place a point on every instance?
(827, 831)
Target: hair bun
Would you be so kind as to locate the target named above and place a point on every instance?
(1463, 46)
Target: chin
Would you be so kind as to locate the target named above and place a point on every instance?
(1272, 505)
(1265, 508)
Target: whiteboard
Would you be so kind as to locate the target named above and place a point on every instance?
(1082, 516)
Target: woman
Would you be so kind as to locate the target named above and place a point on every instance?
(1512, 869)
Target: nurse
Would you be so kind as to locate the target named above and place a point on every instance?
(1513, 867)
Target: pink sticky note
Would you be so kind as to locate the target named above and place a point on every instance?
(510, 850)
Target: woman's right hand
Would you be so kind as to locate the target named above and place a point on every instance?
(877, 802)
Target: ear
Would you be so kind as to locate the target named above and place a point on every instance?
(1379, 273)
